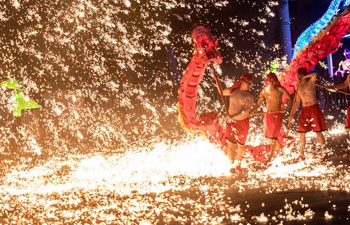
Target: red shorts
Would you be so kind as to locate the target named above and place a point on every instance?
(311, 118)
(237, 131)
(347, 123)
(272, 125)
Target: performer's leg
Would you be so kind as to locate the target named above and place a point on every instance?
(238, 159)
(240, 154)
(231, 150)
(302, 140)
(322, 141)
(273, 146)
(278, 147)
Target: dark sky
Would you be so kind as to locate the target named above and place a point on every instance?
(37, 28)
(305, 12)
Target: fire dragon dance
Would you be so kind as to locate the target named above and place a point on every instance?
(326, 42)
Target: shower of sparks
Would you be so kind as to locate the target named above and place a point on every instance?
(159, 181)
(106, 147)
(101, 66)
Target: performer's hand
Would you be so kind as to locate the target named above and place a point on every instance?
(283, 110)
(333, 89)
(348, 78)
(290, 119)
(254, 110)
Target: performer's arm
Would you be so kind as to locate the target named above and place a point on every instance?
(343, 85)
(294, 107)
(249, 105)
(312, 77)
(258, 103)
(226, 92)
(234, 116)
(285, 93)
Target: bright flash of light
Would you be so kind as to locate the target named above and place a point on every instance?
(140, 170)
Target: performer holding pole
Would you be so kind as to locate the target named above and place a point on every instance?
(311, 116)
(345, 84)
(237, 120)
(272, 94)
(237, 113)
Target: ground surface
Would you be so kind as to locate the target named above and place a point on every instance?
(181, 184)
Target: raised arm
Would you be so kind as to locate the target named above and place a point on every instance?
(312, 77)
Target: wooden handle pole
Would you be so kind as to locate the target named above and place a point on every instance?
(292, 108)
(335, 90)
(263, 113)
(216, 77)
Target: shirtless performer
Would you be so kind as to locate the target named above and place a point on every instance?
(344, 85)
(272, 94)
(237, 122)
(311, 116)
